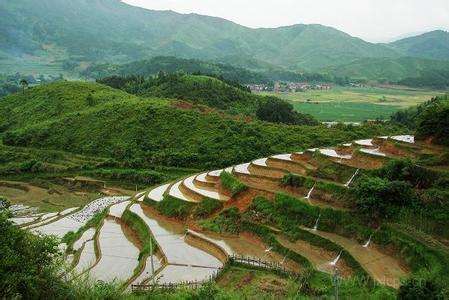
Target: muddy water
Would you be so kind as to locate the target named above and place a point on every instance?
(383, 268)
(319, 257)
(118, 255)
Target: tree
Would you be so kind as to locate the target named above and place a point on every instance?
(28, 265)
(24, 84)
(381, 198)
(278, 111)
(433, 122)
(420, 288)
(90, 101)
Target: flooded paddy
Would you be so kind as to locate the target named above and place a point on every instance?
(118, 255)
(87, 258)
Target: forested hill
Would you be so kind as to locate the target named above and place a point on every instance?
(213, 92)
(95, 119)
(260, 72)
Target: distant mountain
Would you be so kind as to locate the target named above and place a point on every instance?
(433, 45)
(109, 30)
(388, 69)
(54, 36)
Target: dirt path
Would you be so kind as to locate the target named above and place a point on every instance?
(382, 267)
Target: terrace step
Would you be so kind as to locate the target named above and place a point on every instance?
(215, 175)
(381, 267)
(302, 158)
(176, 190)
(200, 193)
(170, 237)
(202, 181)
(260, 167)
(288, 165)
(242, 169)
(119, 256)
(157, 194)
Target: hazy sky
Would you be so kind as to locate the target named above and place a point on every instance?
(372, 20)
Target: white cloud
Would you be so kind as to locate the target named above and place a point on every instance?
(373, 20)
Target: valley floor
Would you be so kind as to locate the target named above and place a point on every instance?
(348, 104)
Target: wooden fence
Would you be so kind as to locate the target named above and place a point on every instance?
(250, 261)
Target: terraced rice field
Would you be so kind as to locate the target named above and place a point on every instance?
(111, 251)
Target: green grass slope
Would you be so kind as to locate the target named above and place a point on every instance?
(51, 101)
(151, 131)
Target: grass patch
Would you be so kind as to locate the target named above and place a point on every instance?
(228, 220)
(174, 207)
(149, 245)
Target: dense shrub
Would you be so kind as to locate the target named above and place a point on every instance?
(297, 181)
(407, 170)
(4, 203)
(231, 183)
(207, 206)
(278, 111)
(148, 177)
(381, 198)
(28, 268)
(418, 287)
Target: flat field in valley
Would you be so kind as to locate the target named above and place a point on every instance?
(356, 104)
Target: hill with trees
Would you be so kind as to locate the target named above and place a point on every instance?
(430, 120)
(257, 72)
(212, 92)
(95, 119)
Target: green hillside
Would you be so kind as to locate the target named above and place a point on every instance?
(150, 131)
(434, 45)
